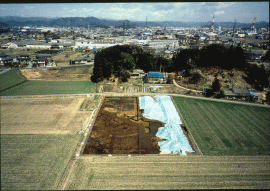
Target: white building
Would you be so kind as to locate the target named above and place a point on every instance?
(85, 45)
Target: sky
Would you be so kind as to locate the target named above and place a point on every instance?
(185, 12)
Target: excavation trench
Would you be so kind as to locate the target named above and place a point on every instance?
(121, 129)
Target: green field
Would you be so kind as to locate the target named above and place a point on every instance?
(225, 128)
(50, 87)
(11, 78)
(34, 162)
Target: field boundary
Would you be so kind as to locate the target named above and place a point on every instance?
(14, 78)
(144, 94)
(13, 86)
(189, 135)
(89, 126)
(79, 148)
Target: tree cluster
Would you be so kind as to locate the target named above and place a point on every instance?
(114, 60)
(120, 59)
(257, 76)
(209, 56)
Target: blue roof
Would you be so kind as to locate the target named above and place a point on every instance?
(96, 50)
(154, 74)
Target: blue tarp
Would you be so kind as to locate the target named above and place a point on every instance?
(252, 93)
(164, 110)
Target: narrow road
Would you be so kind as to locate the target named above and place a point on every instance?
(142, 94)
(196, 91)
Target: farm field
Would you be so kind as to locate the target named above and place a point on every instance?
(38, 140)
(43, 115)
(68, 73)
(225, 128)
(39, 137)
(35, 162)
(158, 172)
(50, 87)
(11, 78)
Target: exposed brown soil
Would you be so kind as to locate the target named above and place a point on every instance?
(81, 73)
(120, 129)
(228, 79)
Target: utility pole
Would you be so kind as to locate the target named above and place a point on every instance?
(234, 25)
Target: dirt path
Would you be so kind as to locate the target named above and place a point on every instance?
(196, 91)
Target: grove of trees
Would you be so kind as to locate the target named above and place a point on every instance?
(118, 60)
(209, 56)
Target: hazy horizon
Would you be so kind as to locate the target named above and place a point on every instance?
(243, 12)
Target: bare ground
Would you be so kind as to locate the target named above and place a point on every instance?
(48, 115)
(81, 73)
(119, 129)
(227, 81)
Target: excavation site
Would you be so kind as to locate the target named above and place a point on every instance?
(130, 125)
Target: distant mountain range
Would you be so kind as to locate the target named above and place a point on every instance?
(96, 22)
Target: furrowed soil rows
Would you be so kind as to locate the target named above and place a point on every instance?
(206, 126)
(225, 128)
(174, 172)
(50, 87)
(34, 162)
(47, 115)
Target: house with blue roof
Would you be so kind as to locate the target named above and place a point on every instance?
(154, 76)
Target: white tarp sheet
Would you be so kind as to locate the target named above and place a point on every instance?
(164, 110)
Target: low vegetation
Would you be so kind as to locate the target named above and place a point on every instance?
(50, 87)
(225, 128)
(35, 162)
(11, 78)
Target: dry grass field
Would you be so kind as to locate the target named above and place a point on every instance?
(38, 139)
(157, 172)
(44, 115)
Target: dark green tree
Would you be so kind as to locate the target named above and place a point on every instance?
(268, 96)
(128, 61)
(145, 62)
(216, 86)
(257, 76)
(107, 68)
(266, 57)
(97, 71)
(213, 55)
(239, 60)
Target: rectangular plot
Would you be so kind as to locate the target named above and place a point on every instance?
(44, 164)
(240, 130)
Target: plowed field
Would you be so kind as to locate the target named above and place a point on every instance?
(225, 128)
(48, 115)
(153, 172)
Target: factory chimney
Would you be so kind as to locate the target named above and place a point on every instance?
(212, 29)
